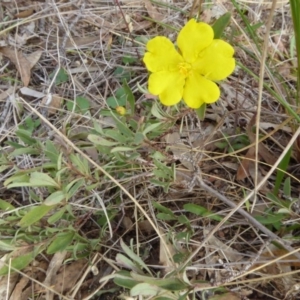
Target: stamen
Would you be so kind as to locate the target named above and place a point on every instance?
(184, 68)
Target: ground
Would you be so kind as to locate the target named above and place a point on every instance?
(105, 193)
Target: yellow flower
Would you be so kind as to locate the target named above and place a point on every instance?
(121, 110)
(189, 73)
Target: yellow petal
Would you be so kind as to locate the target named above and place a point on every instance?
(161, 55)
(168, 86)
(193, 38)
(199, 90)
(216, 62)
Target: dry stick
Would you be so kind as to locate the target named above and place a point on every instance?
(260, 91)
(24, 275)
(237, 207)
(235, 274)
(250, 219)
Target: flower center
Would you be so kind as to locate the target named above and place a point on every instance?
(184, 68)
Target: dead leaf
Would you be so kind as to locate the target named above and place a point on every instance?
(7, 283)
(145, 226)
(24, 14)
(4, 95)
(166, 253)
(18, 290)
(286, 282)
(33, 58)
(142, 25)
(52, 103)
(31, 93)
(249, 159)
(152, 11)
(243, 169)
(216, 250)
(21, 37)
(225, 252)
(68, 276)
(22, 63)
(53, 267)
(180, 150)
(263, 151)
(127, 223)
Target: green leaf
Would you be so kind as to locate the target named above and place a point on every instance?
(122, 73)
(113, 102)
(162, 208)
(144, 289)
(51, 151)
(277, 201)
(61, 77)
(74, 186)
(183, 220)
(18, 263)
(98, 140)
(138, 138)
(282, 167)
(55, 198)
(165, 217)
(220, 25)
(127, 263)
(26, 150)
(164, 185)
(57, 216)
(39, 179)
(270, 219)
(34, 215)
(82, 105)
(287, 187)
(61, 242)
(171, 284)
(116, 135)
(201, 111)
(195, 209)
(156, 111)
(128, 59)
(201, 211)
(6, 246)
(133, 256)
(26, 136)
(5, 206)
(151, 127)
(121, 149)
(129, 95)
(295, 10)
(80, 162)
(123, 279)
(123, 128)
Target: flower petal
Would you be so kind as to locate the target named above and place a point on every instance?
(193, 38)
(199, 90)
(216, 62)
(168, 86)
(161, 55)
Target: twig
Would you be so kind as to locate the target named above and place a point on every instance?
(250, 219)
(234, 274)
(129, 32)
